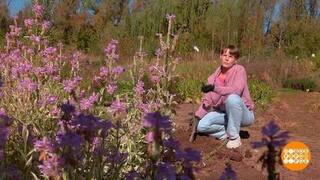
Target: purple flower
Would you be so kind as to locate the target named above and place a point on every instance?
(45, 25)
(170, 16)
(4, 134)
(72, 84)
(45, 144)
(117, 106)
(52, 100)
(49, 69)
(228, 174)
(87, 103)
(159, 53)
(27, 84)
(14, 31)
(111, 50)
(11, 171)
(49, 51)
(68, 108)
(155, 119)
(104, 71)
(96, 146)
(271, 135)
(132, 175)
(35, 38)
(270, 129)
(112, 87)
(55, 111)
(28, 23)
(166, 171)
(5, 120)
(89, 125)
(71, 140)
(52, 166)
(139, 89)
(117, 70)
(20, 68)
(260, 144)
(144, 107)
(155, 79)
(38, 10)
(188, 155)
(171, 143)
(75, 60)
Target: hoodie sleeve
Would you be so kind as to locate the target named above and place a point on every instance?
(236, 86)
(208, 101)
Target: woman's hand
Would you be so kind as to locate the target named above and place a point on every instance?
(207, 88)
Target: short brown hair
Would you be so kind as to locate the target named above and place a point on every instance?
(233, 50)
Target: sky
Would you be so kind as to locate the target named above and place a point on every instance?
(16, 5)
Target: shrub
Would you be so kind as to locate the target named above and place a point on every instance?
(300, 84)
(261, 93)
(188, 88)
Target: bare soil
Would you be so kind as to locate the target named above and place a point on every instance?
(295, 111)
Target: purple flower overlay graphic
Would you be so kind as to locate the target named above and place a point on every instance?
(155, 119)
(228, 173)
(5, 123)
(166, 171)
(271, 135)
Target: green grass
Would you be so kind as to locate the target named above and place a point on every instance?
(261, 93)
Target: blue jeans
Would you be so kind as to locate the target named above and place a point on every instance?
(227, 124)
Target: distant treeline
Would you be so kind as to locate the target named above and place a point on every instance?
(257, 27)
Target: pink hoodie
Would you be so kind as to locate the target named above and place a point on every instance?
(235, 83)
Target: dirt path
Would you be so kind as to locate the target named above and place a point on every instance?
(295, 111)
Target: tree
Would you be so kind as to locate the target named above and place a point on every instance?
(4, 20)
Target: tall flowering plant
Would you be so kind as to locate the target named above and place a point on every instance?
(51, 126)
(30, 72)
(162, 71)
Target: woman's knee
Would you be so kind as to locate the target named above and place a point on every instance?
(249, 121)
(233, 99)
(201, 127)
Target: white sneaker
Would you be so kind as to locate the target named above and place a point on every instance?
(234, 143)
